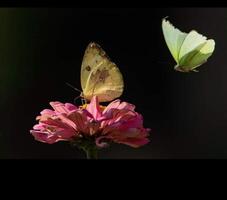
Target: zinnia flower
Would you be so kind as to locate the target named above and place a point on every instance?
(91, 124)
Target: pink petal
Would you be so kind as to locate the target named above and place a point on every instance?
(112, 105)
(122, 120)
(66, 134)
(70, 107)
(134, 122)
(38, 127)
(59, 107)
(43, 137)
(126, 106)
(110, 128)
(55, 123)
(133, 137)
(123, 115)
(48, 112)
(80, 119)
(46, 138)
(67, 121)
(56, 126)
(101, 144)
(94, 108)
(118, 105)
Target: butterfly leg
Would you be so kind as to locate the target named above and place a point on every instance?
(83, 101)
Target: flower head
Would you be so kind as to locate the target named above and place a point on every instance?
(118, 122)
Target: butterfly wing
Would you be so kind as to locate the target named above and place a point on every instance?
(192, 42)
(198, 56)
(99, 76)
(195, 51)
(174, 38)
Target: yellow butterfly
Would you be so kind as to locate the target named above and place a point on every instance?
(99, 76)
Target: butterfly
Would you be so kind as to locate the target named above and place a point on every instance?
(189, 50)
(99, 75)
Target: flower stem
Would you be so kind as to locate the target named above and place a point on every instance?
(88, 146)
(92, 153)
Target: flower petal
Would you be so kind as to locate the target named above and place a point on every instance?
(126, 106)
(66, 120)
(70, 107)
(112, 105)
(46, 137)
(94, 108)
(47, 112)
(80, 120)
(59, 107)
(133, 137)
(100, 143)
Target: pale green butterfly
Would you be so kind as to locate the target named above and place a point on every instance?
(190, 50)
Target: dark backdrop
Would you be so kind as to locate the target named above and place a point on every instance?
(41, 49)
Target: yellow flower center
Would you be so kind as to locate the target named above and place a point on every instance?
(84, 106)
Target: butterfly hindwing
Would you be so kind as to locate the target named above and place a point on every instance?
(198, 56)
(99, 76)
(193, 42)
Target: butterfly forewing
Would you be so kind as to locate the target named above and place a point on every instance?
(199, 55)
(100, 76)
(174, 38)
(192, 42)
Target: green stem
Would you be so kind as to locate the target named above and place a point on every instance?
(92, 153)
(88, 146)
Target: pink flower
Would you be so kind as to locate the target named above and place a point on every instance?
(118, 122)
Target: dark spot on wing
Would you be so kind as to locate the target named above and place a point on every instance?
(88, 68)
(103, 75)
(100, 75)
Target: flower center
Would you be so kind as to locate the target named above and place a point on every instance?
(85, 106)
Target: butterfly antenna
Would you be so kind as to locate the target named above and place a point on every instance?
(73, 87)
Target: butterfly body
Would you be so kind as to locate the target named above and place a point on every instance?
(189, 50)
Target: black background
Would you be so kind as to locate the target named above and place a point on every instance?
(41, 49)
